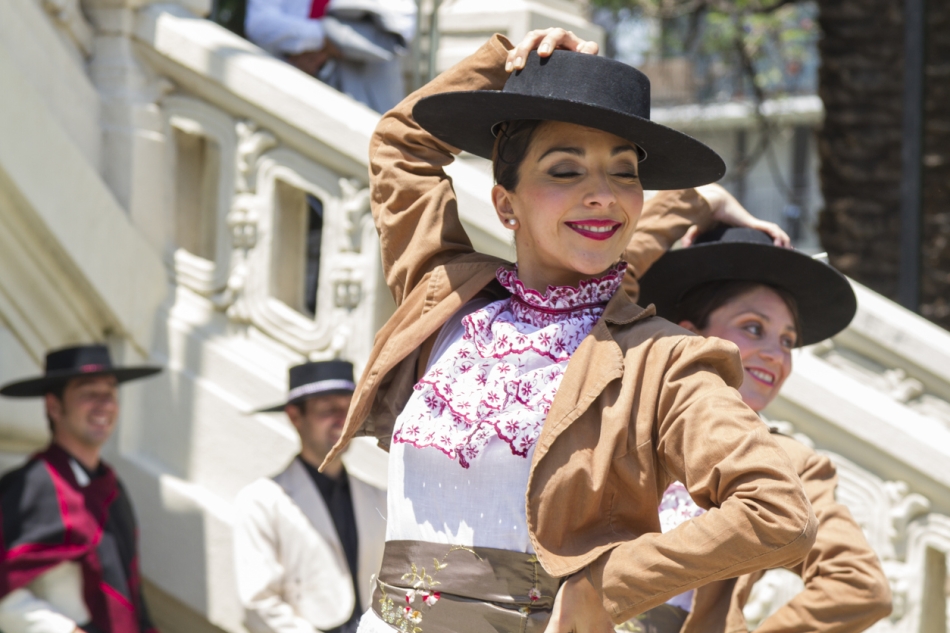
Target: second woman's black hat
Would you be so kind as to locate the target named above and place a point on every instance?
(825, 301)
(578, 88)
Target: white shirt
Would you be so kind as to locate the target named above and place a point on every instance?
(291, 571)
(676, 508)
(461, 452)
(284, 27)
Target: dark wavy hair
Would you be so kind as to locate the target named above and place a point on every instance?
(699, 303)
(512, 140)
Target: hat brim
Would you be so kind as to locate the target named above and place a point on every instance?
(278, 408)
(825, 300)
(39, 386)
(465, 120)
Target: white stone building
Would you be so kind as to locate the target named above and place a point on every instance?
(154, 172)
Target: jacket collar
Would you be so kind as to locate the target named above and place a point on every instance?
(580, 387)
(621, 310)
(302, 490)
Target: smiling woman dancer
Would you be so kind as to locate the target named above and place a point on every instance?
(534, 413)
(734, 284)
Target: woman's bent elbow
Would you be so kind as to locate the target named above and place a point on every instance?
(879, 600)
(802, 531)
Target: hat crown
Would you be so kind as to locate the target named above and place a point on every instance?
(724, 234)
(318, 371)
(583, 78)
(91, 358)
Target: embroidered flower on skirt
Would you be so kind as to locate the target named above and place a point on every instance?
(677, 507)
(499, 379)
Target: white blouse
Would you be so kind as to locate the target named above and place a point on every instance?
(676, 508)
(462, 447)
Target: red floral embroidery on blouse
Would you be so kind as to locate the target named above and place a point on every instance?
(499, 379)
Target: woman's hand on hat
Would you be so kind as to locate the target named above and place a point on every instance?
(726, 209)
(578, 608)
(546, 41)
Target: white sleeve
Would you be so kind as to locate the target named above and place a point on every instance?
(279, 32)
(258, 570)
(22, 612)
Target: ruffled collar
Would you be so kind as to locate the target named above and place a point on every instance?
(589, 293)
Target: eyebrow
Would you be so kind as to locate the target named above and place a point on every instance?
(577, 151)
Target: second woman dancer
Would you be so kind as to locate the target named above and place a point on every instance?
(736, 285)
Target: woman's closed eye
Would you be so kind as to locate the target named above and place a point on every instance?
(626, 175)
(565, 173)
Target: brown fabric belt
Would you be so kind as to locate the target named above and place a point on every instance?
(434, 588)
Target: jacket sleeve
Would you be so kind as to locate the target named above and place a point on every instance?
(665, 218)
(705, 436)
(279, 33)
(258, 571)
(845, 587)
(414, 205)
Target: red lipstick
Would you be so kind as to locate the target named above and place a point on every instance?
(595, 229)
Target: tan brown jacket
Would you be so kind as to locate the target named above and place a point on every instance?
(845, 588)
(641, 403)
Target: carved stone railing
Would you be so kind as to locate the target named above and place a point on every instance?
(275, 128)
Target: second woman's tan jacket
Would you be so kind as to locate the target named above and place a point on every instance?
(846, 589)
(642, 402)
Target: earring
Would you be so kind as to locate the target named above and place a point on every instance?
(512, 221)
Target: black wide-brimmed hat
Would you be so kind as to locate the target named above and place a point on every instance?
(72, 362)
(826, 303)
(578, 88)
(311, 379)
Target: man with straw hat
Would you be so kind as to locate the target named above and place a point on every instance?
(307, 543)
(69, 552)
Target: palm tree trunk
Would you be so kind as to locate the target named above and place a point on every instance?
(860, 142)
(860, 82)
(935, 284)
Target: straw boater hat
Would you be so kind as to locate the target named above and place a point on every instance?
(826, 303)
(73, 362)
(316, 379)
(574, 88)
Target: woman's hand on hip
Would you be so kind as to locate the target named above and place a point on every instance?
(545, 41)
(726, 209)
(578, 609)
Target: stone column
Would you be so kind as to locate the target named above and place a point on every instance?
(133, 156)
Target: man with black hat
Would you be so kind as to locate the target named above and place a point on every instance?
(307, 543)
(69, 557)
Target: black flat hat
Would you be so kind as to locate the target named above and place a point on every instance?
(587, 90)
(311, 379)
(73, 362)
(826, 303)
